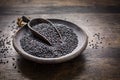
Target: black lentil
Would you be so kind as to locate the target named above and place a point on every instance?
(18, 71)
(35, 47)
(18, 59)
(13, 64)
(7, 61)
(13, 21)
(109, 43)
(15, 67)
(13, 59)
(9, 42)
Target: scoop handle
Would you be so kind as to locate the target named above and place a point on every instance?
(22, 21)
(25, 19)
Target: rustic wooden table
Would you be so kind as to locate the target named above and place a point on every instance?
(99, 18)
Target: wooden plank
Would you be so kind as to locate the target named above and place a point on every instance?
(99, 64)
(36, 3)
(60, 10)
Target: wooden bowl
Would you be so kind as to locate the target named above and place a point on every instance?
(82, 43)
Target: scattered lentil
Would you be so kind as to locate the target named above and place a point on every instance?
(13, 59)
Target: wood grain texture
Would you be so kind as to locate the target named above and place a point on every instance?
(36, 3)
(100, 19)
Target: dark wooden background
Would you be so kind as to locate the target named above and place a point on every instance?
(99, 18)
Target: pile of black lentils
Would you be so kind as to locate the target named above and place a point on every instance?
(60, 47)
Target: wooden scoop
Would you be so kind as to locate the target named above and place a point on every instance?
(33, 22)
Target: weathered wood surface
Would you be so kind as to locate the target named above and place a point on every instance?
(99, 18)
